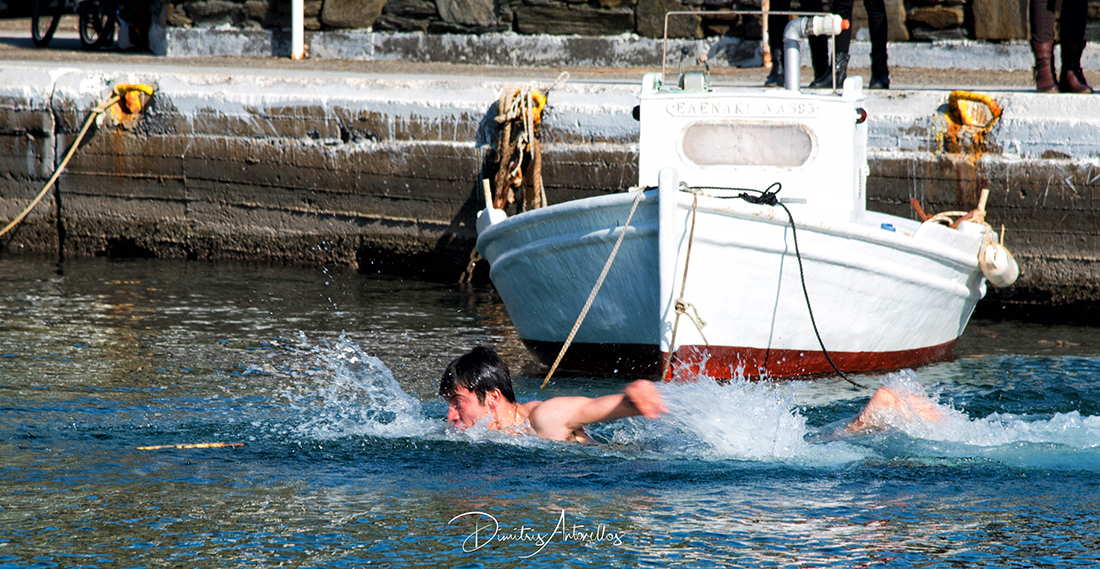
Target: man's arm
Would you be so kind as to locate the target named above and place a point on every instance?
(561, 418)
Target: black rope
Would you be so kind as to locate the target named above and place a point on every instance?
(769, 198)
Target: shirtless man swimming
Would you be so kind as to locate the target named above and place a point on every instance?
(478, 385)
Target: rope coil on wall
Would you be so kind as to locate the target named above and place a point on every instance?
(516, 157)
(518, 146)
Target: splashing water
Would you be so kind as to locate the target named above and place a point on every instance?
(357, 396)
(1064, 440)
(949, 424)
(737, 420)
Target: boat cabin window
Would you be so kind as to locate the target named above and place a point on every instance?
(748, 144)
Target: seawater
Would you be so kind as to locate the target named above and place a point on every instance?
(327, 378)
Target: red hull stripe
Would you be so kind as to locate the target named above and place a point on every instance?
(724, 362)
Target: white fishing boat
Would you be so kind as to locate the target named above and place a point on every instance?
(749, 250)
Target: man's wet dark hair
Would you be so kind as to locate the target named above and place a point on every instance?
(479, 371)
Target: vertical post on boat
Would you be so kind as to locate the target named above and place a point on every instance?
(671, 237)
(792, 67)
(297, 25)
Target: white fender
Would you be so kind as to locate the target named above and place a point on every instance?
(997, 265)
(489, 216)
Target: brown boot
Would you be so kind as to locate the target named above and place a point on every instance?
(1072, 79)
(1044, 66)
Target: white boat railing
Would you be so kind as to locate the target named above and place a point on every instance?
(764, 40)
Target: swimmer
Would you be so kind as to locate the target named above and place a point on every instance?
(478, 386)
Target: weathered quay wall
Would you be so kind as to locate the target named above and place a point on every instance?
(382, 172)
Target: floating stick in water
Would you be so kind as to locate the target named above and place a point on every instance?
(196, 445)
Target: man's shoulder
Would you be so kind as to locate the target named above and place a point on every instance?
(552, 418)
(555, 404)
(553, 413)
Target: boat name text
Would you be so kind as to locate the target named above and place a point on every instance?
(744, 108)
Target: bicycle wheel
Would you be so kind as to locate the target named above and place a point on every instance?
(97, 23)
(45, 12)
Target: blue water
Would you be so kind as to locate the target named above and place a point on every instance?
(327, 378)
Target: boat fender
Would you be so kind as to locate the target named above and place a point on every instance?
(489, 216)
(997, 264)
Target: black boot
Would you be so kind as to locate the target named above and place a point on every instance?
(1072, 79)
(825, 80)
(880, 72)
(775, 78)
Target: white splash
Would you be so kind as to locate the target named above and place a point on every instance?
(739, 420)
(1063, 440)
(356, 394)
(949, 424)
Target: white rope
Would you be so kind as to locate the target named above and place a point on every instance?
(681, 308)
(595, 289)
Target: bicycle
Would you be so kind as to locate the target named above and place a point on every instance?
(47, 11)
(98, 19)
(97, 22)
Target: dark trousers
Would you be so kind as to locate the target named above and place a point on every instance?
(876, 16)
(819, 46)
(876, 21)
(1072, 21)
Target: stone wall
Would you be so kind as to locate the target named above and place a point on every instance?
(374, 173)
(910, 20)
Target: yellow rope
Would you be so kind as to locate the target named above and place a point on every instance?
(194, 445)
(595, 289)
(115, 97)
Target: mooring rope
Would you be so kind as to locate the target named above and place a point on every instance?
(116, 96)
(595, 289)
(681, 304)
(518, 108)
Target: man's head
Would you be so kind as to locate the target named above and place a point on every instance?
(474, 384)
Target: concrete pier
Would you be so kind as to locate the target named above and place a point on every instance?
(379, 169)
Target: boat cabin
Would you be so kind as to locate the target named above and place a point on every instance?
(815, 145)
